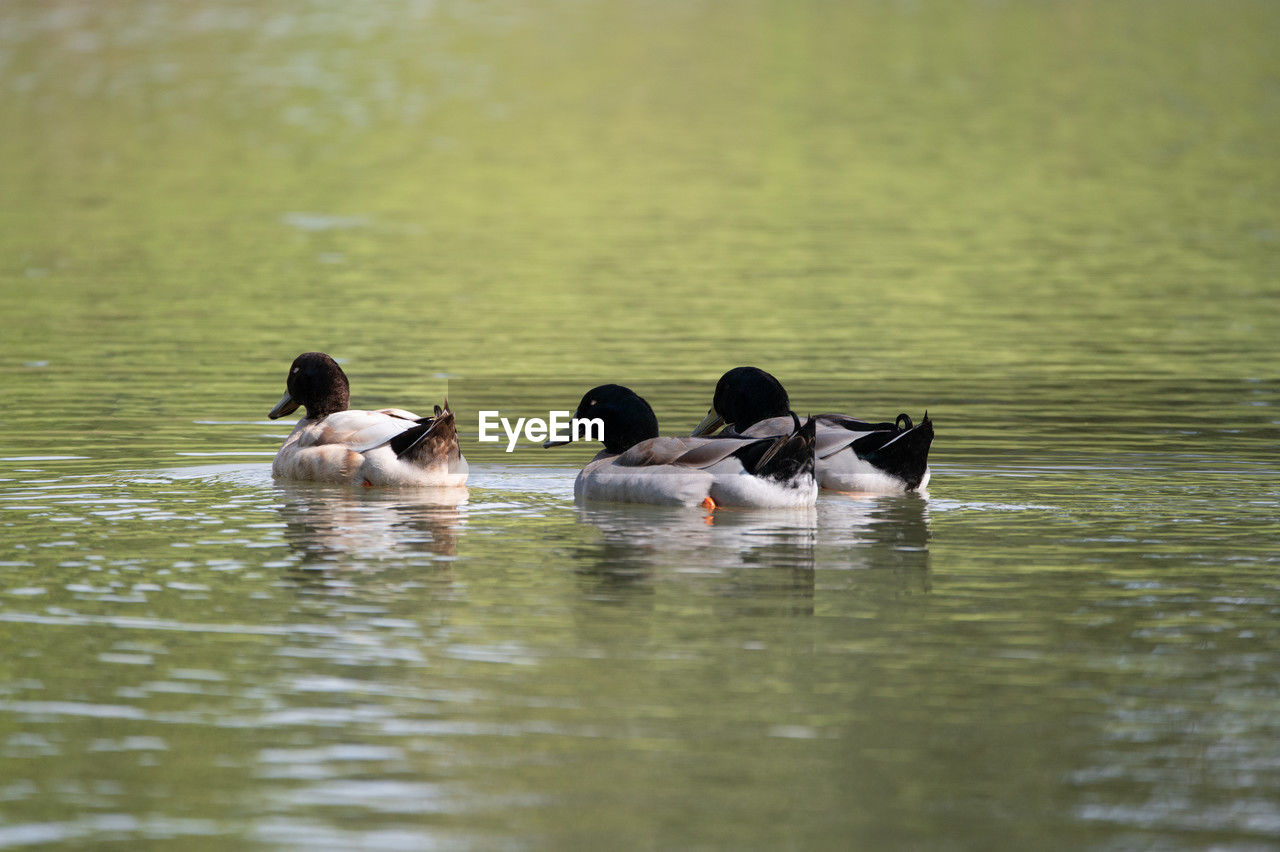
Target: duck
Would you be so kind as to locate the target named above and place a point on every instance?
(334, 443)
(852, 455)
(638, 466)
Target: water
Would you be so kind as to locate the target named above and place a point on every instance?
(1053, 225)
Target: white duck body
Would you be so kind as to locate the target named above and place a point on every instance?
(354, 446)
(334, 443)
(687, 471)
(839, 467)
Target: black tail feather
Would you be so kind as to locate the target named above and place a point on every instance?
(784, 458)
(903, 452)
(433, 436)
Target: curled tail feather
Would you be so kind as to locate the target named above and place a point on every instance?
(904, 453)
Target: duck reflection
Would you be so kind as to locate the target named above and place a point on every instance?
(750, 553)
(357, 527)
(760, 557)
(886, 535)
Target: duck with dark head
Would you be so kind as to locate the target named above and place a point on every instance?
(852, 455)
(334, 443)
(638, 466)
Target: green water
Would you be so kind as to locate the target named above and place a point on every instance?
(1054, 225)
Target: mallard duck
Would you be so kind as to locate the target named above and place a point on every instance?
(638, 466)
(852, 454)
(332, 443)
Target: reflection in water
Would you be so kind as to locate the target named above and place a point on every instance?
(885, 538)
(1066, 253)
(352, 528)
(753, 549)
(635, 648)
(887, 535)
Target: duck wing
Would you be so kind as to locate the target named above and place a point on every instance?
(683, 452)
(398, 412)
(752, 453)
(853, 424)
(771, 427)
(358, 431)
(832, 439)
(704, 452)
(836, 432)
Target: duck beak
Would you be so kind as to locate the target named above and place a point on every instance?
(709, 424)
(286, 405)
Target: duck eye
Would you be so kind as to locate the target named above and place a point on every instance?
(593, 402)
(296, 369)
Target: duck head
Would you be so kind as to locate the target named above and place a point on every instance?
(744, 396)
(627, 418)
(316, 381)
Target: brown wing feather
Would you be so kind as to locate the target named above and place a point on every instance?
(713, 451)
(683, 452)
(832, 440)
(652, 452)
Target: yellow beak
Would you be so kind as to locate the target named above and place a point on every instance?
(709, 424)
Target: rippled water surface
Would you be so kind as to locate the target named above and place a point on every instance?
(1053, 225)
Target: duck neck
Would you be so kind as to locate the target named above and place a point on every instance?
(333, 402)
(620, 440)
(621, 433)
